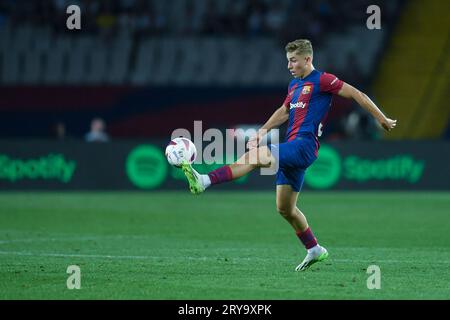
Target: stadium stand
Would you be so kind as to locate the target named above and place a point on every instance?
(200, 44)
(416, 64)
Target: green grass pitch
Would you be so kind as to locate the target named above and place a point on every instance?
(222, 245)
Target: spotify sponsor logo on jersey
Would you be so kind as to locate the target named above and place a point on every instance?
(330, 168)
(146, 166)
(301, 105)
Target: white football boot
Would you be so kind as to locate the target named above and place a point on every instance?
(315, 254)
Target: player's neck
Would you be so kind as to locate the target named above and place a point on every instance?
(307, 72)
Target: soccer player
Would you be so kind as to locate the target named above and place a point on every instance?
(306, 107)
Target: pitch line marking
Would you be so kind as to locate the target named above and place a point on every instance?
(96, 256)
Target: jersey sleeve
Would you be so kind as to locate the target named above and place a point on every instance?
(330, 83)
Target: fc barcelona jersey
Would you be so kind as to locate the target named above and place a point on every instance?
(309, 101)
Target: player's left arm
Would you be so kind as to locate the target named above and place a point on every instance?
(350, 92)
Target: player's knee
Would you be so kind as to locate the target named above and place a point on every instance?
(258, 157)
(285, 211)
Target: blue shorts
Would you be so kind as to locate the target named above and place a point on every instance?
(294, 157)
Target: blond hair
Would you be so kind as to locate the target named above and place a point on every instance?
(300, 47)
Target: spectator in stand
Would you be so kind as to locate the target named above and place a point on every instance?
(58, 131)
(97, 132)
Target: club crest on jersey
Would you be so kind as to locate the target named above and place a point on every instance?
(306, 89)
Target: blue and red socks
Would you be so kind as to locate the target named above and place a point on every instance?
(307, 238)
(220, 175)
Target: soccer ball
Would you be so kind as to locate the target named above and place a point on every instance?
(180, 150)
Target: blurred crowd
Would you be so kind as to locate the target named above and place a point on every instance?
(284, 19)
(97, 131)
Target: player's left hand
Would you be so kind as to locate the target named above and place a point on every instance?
(388, 124)
(253, 142)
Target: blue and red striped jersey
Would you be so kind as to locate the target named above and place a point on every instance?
(309, 101)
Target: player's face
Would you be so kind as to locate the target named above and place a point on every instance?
(297, 64)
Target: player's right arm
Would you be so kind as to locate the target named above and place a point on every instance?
(278, 118)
